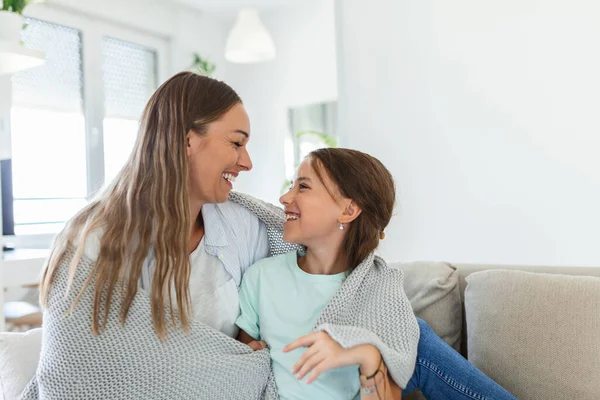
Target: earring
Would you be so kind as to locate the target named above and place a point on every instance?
(341, 226)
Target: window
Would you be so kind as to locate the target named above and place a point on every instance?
(74, 120)
(48, 132)
(311, 127)
(129, 73)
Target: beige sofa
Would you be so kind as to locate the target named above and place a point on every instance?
(535, 330)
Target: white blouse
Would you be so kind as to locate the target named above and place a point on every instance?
(234, 239)
(213, 291)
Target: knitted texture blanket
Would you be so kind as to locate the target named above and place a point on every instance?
(130, 362)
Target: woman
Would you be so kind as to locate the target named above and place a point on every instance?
(163, 233)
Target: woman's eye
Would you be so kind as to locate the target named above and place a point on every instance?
(238, 144)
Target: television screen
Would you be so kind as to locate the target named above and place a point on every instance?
(8, 219)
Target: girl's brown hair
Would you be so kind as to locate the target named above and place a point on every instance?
(366, 181)
(147, 203)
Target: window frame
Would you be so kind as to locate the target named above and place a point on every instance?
(92, 31)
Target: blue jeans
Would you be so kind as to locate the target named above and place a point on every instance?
(443, 374)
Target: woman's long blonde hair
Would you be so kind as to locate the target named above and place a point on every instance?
(147, 203)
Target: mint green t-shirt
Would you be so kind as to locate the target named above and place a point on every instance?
(279, 302)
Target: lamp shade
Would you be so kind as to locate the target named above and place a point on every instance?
(13, 56)
(249, 41)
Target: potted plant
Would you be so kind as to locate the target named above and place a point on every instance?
(202, 66)
(317, 139)
(11, 19)
(14, 56)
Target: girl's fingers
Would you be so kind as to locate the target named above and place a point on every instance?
(256, 345)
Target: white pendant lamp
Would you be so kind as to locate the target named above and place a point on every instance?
(13, 56)
(249, 41)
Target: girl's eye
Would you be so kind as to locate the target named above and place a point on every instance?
(303, 186)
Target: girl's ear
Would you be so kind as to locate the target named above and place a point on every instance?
(350, 213)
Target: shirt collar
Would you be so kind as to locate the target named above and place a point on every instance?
(214, 228)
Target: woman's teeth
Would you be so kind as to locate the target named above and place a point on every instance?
(289, 217)
(229, 177)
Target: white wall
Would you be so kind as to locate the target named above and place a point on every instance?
(306, 51)
(198, 32)
(487, 115)
(259, 87)
(304, 72)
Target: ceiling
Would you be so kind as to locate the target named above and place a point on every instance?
(234, 5)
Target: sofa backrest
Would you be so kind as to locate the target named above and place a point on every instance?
(436, 291)
(534, 330)
(465, 270)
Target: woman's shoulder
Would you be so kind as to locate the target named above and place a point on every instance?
(268, 213)
(232, 220)
(91, 244)
(232, 211)
(244, 211)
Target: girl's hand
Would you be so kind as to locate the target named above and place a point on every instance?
(324, 353)
(257, 344)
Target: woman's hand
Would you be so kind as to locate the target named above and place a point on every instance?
(323, 353)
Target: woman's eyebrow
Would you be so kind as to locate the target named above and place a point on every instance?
(242, 132)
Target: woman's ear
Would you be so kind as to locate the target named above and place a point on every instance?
(350, 213)
(191, 142)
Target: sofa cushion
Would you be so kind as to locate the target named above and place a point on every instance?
(19, 354)
(537, 335)
(434, 294)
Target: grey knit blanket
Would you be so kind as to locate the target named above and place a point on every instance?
(129, 362)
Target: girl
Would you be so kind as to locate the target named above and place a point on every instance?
(339, 205)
